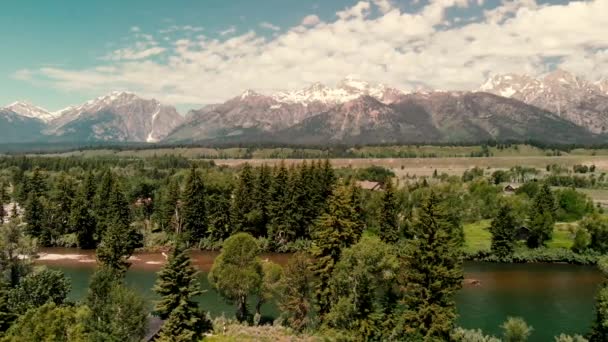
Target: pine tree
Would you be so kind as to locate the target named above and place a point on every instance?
(599, 329)
(193, 210)
(261, 198)
(281, 225)
(243, 203)
(168, 205)
(3, 201)
(542, 217)
(389, 216)
(432, 274)
(101, 203)
(334, 230)
(89, 187)
(60, 201)
(177, 285)
(37, 183)
(82, 221)
(503, 232)
(295, 297)
(34, 217)
(119, 239)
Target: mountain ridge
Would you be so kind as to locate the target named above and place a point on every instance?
(559, 107)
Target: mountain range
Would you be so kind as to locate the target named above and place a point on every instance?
(557, 108)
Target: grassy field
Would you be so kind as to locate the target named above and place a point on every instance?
(478, 237)
(453, 160)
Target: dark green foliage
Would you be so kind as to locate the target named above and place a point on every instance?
(116, 313)
(237, 271)
(433, 260)
(388, 222)
(177, 285)
(14, 246)
(599, 329)
(82, 219)
(472, 174)
(119, 239)
(504, 234)
(193, 212)
(169, 200)
(597, 227)
(363, 290)
(101, 203)
(4, 198)
(39, 288)
(572, 205)
(334, 230)
(375, 173)
(500, 176)
(261, 198)
(49, 323)
(243, 214)
(7, 315)
(295, 294)
(282, 222)
(60, 204)
(35, 217)
(529, 188)
(542, 217)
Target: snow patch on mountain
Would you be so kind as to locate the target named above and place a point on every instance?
(30, 111)
(348, 89)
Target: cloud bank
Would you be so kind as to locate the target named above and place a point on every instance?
(431, 48)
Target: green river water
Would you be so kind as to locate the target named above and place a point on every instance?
(553, 298)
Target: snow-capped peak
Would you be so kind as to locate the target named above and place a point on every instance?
(248, 93)
(348, 89)
(30, 111)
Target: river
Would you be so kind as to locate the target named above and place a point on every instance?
(553, 298)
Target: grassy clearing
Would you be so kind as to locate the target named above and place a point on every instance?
(478, 237)
(234, 332)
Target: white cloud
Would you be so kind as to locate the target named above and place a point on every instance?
(135, 29)
(311, 20)
(383, 5)
(269, 26)
(404, 49)
(227, 31)
(360, 10)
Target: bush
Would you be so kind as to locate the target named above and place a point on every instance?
(516, 330)
(538, 255)
(466, 335)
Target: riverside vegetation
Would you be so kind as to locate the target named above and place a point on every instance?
(369, 265)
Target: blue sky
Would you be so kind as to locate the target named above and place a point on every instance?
(189, 53)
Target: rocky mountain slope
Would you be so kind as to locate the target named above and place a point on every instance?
(355, 112)
(560, 92)
(118, 116)
(558, 108)
(17, 128)
(254, 114)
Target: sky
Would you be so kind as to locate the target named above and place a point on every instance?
(189, 53)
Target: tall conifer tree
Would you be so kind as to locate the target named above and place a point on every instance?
(334, 230)
(243, 202)
(433, 274)
(177, 285)
(82, 221)
(503, 229)
(389, 216)
(542, 217)
(193, 210)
